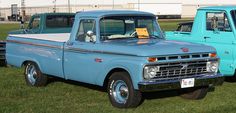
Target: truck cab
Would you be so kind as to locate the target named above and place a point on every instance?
(48, 23)
(214, 26)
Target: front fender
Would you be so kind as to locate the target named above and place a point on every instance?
(134, 68)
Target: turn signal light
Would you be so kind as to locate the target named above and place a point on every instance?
(212, 55)
(152, 59)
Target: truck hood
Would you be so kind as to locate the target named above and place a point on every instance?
(154, 47)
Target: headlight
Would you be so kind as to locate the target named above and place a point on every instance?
(212, 66)
(150, 71)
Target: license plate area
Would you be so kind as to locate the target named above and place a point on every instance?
(187, 83)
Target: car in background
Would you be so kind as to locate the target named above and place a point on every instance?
(48, 23)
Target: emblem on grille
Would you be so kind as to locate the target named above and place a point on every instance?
(184, 49)
(184, 66)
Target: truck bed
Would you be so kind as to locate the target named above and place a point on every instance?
(58, 37)
(46, 48)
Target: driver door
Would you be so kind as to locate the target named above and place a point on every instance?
(79, 59)
(219, 34)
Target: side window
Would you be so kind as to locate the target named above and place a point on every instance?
(35, 23)
(217, 21)
(87, 26)
(185, 28)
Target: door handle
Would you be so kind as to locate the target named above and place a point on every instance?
(206, 37)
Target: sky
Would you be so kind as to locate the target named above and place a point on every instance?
(7, 3)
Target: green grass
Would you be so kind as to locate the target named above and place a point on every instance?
(71, 97)
(5, 28)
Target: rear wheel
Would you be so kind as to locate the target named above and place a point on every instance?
(194, 93)
(121, 92)
(33, 75)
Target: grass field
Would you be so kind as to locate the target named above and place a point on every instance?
(61, 96)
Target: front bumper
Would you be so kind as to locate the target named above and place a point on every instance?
(171, 84)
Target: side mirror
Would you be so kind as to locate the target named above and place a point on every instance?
(91, 36)
(90, 33)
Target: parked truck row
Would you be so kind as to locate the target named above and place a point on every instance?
(122, 51)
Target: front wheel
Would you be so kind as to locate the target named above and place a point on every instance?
(194, 93)
(121, 92)
(33, 75)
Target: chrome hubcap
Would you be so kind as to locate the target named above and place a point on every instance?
(120, 91)
(31, 74)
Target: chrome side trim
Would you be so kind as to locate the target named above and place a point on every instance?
(70, 48)
(33, 44)
(96, 51)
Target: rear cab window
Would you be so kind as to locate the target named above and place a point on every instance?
(59, 21)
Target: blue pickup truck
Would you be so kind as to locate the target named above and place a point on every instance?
(213, 26)
(123, 51)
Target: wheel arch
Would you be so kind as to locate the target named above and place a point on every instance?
(117, 69)
(27, 61)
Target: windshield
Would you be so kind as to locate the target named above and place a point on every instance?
(123, 27)
(233, 14)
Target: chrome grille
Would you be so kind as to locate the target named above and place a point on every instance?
(181, 69)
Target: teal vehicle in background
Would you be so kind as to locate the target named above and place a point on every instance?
(48, 23)
(214, 26)
(41, 24)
